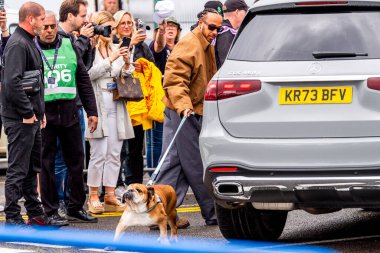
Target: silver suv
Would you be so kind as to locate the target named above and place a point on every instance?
(292, 119)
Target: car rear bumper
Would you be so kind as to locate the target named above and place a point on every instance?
(341, 189)
(319, 172)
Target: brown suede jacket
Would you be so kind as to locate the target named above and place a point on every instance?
(190, 67)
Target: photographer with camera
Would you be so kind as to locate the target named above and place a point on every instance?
(111, 60)
(133, 168)
(72, 17)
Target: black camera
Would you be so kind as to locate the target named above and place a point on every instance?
(105, 31)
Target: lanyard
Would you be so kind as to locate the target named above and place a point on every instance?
(44, 57)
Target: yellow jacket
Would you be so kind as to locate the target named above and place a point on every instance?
(151, 108)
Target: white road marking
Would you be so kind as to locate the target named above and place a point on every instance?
(9, 250)
(42, 245)
(101, 250)
(322, 241)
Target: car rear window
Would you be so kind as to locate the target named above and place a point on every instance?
(295, 36)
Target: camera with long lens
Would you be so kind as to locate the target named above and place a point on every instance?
(105, 31)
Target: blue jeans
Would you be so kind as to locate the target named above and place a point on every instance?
(154, 144)
(61, 173)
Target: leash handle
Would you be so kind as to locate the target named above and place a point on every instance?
(157, 170)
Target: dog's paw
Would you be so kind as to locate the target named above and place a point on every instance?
(174, 239)
(163, 241)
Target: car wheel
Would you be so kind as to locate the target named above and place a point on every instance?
(248, 223)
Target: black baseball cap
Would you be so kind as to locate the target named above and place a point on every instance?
(233, 5)
(216, 5)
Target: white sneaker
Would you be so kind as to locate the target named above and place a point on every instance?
(119, 191)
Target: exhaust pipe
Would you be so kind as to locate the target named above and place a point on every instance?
(229, 189)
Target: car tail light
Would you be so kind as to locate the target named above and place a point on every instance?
(211, 91)
(222, 89)
(224, 169)
(321, 3)
(373, 83)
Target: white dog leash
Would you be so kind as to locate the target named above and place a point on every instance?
(157, 170)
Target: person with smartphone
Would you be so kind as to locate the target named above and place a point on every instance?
(132, 162)
(115, 125)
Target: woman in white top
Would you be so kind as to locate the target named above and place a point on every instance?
(114, 124)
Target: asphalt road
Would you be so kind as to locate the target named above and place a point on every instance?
(349, 230)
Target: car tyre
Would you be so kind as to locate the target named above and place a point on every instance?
(248, 223)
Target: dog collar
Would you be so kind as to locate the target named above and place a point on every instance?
(155, 204)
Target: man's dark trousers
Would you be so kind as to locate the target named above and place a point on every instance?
(183, 166)
(73, 154)
(24, 156)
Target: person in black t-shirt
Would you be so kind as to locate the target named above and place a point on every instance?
(167, 36)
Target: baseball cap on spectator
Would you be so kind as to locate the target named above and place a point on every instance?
(233, 5)
(162, 10)
(216, 5)
(173, 20)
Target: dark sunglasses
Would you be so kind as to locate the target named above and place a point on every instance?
(212, 27)
(53, 26)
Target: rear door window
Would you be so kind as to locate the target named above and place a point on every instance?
(295, 36)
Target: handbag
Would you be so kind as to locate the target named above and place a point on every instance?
(31, 81)
(128, 88)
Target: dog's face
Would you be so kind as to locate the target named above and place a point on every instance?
(137, 194)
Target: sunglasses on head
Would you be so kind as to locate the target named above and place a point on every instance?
(52, 26)
(212, 27)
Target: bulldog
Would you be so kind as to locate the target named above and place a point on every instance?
(147, 206)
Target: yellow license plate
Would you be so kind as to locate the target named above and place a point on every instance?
(315, 95)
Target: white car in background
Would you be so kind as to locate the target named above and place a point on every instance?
(292, 119)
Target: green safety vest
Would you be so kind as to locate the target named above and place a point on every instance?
(64, 73)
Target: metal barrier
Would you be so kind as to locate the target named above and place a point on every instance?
(142, 243)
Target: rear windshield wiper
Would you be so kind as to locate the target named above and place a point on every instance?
(319, 55)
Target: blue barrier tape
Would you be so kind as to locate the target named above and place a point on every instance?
(142, 243)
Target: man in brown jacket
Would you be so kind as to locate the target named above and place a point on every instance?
(189, 69)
